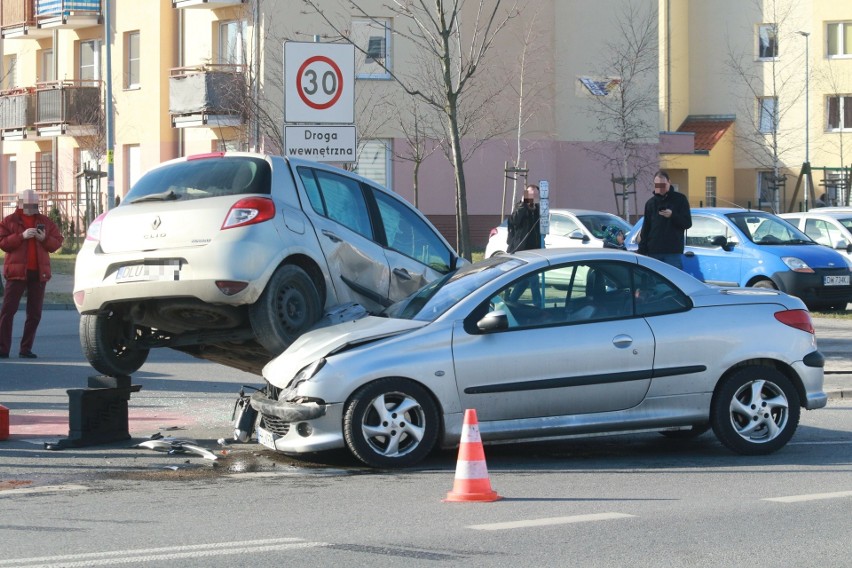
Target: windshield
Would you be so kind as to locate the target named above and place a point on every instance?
(428, 303)
(597, 223)
(846, 222)
(765, 229)
(199, 178)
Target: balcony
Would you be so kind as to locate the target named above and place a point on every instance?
(208, 4)
(17, 114)
(70, 108)
(207, 96)
(17, 20)
(67, 14)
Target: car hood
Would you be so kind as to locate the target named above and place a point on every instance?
(326, 341)
(816, 256)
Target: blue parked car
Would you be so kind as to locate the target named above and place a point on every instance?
(738, 247)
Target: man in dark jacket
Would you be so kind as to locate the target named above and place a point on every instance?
(667, 217)
(524, 230)
(27, 237)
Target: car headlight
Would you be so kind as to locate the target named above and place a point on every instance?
(306, 373)
(797, 264)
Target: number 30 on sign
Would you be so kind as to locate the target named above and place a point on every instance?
(319, 83)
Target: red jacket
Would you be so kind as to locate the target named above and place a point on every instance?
(14, 245)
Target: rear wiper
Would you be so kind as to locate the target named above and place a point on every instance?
(169, 195)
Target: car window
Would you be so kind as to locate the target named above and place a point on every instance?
(819, 230)
(343, 201)
(312, 189)
(705, 232)
(201, 178)
(764, 229)
(408, 234)
(596, 224)
(847, 223)
(561, 225)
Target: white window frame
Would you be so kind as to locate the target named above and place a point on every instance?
(11, 175)
(133, 61)
(133, 157)
(764, 31)
(370, 154)
(232, 42)
(710, 191)
(767, 115)
(842, 102)
(96, 60)
(377, 30)
(844, 47)
(45, 59)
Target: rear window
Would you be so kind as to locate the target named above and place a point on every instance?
(197, 179)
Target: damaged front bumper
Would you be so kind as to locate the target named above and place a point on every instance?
(298, 427)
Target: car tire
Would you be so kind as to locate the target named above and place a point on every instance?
(379, 434)
(104, 340)
(765, 283)
(686, 434)
(755, 411)
(288, 306)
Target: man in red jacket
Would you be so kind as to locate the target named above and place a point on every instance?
(27, 237)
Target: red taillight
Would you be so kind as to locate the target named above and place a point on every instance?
(492, 232)
(249, 211)
(93, 233)
(231, 287)
(205, 156)
(800, 319)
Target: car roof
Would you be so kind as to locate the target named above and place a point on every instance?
(833, 213)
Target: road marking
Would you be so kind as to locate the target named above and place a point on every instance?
(811, 497)
(41, 489)
(550, 521)
(826, 443)
(111, 558)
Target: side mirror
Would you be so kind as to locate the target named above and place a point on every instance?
(493, 321)
(578, 236)
(843, 244)
(719, 241)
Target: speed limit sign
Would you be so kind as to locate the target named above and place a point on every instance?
(319, 82)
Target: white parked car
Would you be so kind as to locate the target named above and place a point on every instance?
(568, 228)
(829, 226)
(548, 343)
(231, 256)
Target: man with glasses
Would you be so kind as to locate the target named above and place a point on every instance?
(667, 217)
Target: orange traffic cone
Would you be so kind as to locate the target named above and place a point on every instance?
(471, 482)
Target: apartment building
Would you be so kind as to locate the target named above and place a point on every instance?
(195, 76)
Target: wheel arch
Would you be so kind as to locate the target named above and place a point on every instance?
(421, 384)
(779, 366)
(313, 270)
(758, 277)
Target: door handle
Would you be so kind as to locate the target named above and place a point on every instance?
(334, 238)
(402, 273)
(622, 341)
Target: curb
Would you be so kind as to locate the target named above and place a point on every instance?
(839, 394)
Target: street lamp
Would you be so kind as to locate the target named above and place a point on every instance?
(807, 165)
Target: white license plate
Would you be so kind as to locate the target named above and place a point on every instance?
(148, 272)
(836, 280)
(265, 438)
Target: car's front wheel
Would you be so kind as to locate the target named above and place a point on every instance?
(289, 305)
(755, 411)
(764, 283)
(391, 423)
(107, 340)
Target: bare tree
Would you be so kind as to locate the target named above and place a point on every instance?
(774, 87)
(450, 53)
(624, 99)
(420, 139)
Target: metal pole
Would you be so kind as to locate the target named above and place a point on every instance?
(110, 136)
(806, 35)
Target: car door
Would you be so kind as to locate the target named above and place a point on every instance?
(705, 258)
(558, 356)
(415, 253)
(560, 230)
(341, 218)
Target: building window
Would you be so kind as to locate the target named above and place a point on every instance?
(374, 161)
(228, 146)
(840, 113)
(767, 41)
(232, 42)
(710, 191)
(839, 37)
(133, 155)
(372, 37)
(132, 70)
(90, 60)
(10, 72)
(769, 190)
(768, 117)
(45, 61)
(11, 175)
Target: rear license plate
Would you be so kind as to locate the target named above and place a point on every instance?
(836, 280)
(265, 438)
(148, 272)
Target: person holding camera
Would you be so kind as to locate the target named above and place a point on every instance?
(524, 230)
(27, 237)
(667, 218)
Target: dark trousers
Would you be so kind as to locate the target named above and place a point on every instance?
(15, 289)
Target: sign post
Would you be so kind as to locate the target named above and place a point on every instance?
(544, 209)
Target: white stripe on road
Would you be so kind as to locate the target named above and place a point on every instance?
(40, 489)
(156, 554)
(811, 497)
(550, 521)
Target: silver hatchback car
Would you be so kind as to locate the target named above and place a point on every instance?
(231, 256)
(543, 344)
